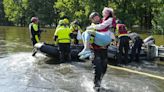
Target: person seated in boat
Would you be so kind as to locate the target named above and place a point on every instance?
(136, 46)
(62, 37)
(102, 37)
(76, 30)
(123, 42)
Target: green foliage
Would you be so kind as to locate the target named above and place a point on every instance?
(145, 13)
(74, 9)
(20, 11)
(158, 22)
(2, 13)
(136, 12)
(15, 10)
(79, 9)
(43, 9)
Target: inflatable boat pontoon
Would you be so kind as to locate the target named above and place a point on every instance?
(147, 52)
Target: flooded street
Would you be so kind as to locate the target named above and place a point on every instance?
(20, 72)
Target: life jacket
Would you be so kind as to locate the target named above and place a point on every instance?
(63, 34)
(93, 45)
(34, 30)
(107, 28)
(121, 30)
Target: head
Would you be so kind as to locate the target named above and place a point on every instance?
(94, 17)
(34, 20)
(61, 22)
(107, 12)
(76, 22)
(66, 21)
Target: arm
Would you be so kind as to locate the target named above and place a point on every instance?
(37, 38)
(72, 28)
(79, 28)
(71, 35)
(102, 25)
(56, 35)
(55, 38)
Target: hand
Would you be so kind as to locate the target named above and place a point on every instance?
(53, 38)
(90, 27)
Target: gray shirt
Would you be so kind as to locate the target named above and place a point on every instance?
(133, 36)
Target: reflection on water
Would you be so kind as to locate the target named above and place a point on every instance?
(20, 72)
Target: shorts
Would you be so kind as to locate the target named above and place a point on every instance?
(102, 38)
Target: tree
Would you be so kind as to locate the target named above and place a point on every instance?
(15, 10)
(3, 20)
(136, 12)
(43, 9)
(158, 19)
(79, 9)
(21, 11)
(146, 13)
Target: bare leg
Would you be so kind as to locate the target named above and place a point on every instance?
(86, 40)
(87, 37)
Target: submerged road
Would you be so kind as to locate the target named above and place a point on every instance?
(20, 72)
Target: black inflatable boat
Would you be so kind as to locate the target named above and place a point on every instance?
(52, 50)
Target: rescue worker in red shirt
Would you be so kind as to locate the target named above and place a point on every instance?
(123, 41)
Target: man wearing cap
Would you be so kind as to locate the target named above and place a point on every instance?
(100, 51)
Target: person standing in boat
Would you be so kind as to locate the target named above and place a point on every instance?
(62, 37)
(123, 42)
(76, 30)
(136, 46)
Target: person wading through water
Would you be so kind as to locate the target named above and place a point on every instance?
(62, 37)
(35, 32)
(100, 31)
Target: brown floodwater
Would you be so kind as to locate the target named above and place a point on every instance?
(20, 72)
